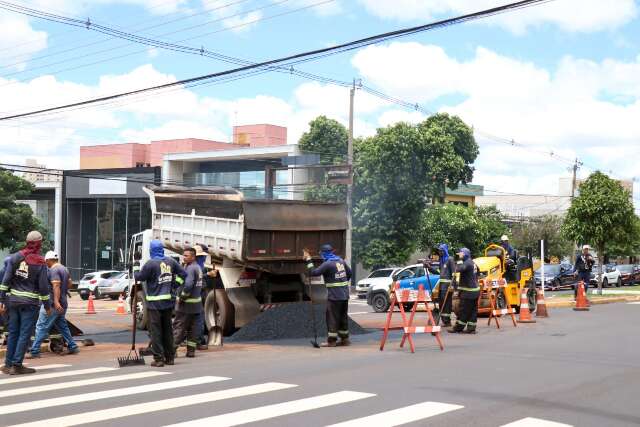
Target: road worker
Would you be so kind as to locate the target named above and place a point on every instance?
(23, 289)
(189, 306)
(337, 276)
(468, 294)
(582, 269)
(504, 242)
(447, 271)
(162, 275)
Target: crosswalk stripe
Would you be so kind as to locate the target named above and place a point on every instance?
(106, 394)
(158, 405)
(62, 374)
(535, 422)
(401, 416)
(277, 410)
(45, 367)
(80, 383)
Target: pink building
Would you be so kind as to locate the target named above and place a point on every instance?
(134, 154)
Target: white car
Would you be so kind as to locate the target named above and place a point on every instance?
(114, 287)
(381, 278)
(611, 276)
(90, 281)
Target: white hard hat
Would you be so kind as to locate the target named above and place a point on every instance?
(504, 237)
(586, 247)
(51, 255)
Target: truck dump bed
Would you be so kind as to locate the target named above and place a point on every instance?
(260, 232)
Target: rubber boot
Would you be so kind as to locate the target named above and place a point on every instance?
(21, 370)
(344, 342)
(191, 352)
(157, 363)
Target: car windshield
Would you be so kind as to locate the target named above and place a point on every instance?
(550, 269)
(386, 272)
(87, 277)
(626, 268)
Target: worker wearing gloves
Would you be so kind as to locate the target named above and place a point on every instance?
(469, 292)
(336, 274)
(24, 287)
(189, 306)
(447, 271)
(162, 274)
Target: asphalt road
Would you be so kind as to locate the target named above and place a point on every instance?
(575, 368)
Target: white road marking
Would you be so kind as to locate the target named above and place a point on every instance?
(45, 367)
(38, 377)
(358, 312)
(80, 383)
(535, 422)
(106, 394)
(158, 405)
(634, 303)
(401, 416)
(277, 410)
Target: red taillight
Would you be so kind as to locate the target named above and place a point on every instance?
(93, 282)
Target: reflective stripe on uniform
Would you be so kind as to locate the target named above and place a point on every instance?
(459, 322)
(25, 294)
(192, 300)
(136, 268)
(192, 343)
(445, 315)
(310, 265)
(471, 323)
(336, 285)
(4, 288)
(469, 289)
(332, 334)
(162, 297)
(44, 297)
(179, 280)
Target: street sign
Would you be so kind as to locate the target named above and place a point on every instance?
(339, 175)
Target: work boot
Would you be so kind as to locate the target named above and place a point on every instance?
(5, 369)
(71, 351)
(202, 347)
(191, 352)
(157, 363)
(21, 370)
(329, 344)
(32, 356)
(345, 342)
(471, 331)
(170, 362)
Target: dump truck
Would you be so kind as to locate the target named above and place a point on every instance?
(255, 245)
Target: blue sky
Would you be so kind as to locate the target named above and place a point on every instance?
(561, 77)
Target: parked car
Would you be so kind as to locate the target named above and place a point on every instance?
(556, 276)
(629, 273)
(410, 277)
(90, 281)
(381, 278)
(114, 286)
(610, 276)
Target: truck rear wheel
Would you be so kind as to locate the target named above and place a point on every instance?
(225, 316)
(141, 313)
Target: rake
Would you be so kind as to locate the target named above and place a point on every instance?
(133, 358)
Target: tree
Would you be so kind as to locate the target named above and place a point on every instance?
(16, 219)
(602, 215)
(397, 171)
(547, 228)
(328, 139)
(460, 226)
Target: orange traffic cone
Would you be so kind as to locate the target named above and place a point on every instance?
(581, 300)
(525, 313)
(90, 308)
(120, 309)
(541, 306)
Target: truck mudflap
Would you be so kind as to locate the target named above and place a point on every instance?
(245, 304)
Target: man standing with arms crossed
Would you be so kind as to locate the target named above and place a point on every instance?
(161, 274)
(189, 307)
(60, 280)
(24, 287)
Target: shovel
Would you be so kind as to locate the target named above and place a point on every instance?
(133, 358)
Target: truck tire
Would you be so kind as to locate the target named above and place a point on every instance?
(380, 302)
(141, 315)
(226, 312)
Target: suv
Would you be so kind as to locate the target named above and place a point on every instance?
(382, 278)
(611, 276)
(114, 287)
(90, 281)
(556, 276)
(409, 277)
(630, 274)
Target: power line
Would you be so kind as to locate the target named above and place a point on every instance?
(301, 57)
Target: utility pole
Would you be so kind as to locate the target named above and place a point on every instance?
(348, 254)
(574, 168)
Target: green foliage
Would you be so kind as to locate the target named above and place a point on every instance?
(602, 215)
(547, 228)
(16, 219)
(460, 226)
(397, 172)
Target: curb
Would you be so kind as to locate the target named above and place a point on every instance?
(611, 300)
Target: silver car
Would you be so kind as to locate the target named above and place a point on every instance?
(114, 286)
(90, 282)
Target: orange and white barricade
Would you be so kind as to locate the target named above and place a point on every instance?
(400, 297)
(498, 286)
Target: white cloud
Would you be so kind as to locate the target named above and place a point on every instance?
(569, 15)
(581, 108)
(16, 32)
